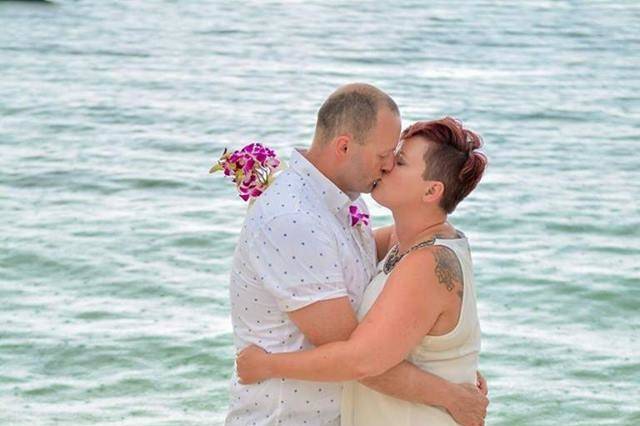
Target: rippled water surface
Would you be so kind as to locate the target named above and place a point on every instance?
(115, 244)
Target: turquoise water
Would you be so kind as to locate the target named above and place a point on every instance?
(115, 244)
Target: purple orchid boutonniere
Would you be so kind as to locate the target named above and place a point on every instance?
(251, 169)
(358, 217)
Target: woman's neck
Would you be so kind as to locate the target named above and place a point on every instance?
(414, 226)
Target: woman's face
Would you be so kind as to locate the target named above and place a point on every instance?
(404, 184)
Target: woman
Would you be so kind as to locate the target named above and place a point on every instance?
(421, 306)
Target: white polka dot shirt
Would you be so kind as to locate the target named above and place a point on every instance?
(296, 247)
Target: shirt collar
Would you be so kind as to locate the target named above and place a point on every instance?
(334, 198)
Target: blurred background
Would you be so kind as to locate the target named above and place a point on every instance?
(115, 243)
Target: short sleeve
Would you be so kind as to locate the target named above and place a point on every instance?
(298, 261)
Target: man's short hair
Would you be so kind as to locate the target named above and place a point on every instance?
(352, 109)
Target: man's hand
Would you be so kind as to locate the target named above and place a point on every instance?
(467, 405)
(482, 384)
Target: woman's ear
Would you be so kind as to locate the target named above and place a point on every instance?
(433, 191)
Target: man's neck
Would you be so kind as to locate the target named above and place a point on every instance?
(320, 162)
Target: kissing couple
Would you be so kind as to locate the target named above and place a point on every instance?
(336, 323)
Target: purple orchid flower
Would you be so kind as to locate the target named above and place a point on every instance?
(357, 217)
(250, 168)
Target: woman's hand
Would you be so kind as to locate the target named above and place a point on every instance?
(252, 365)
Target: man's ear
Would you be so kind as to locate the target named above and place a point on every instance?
(342, 144)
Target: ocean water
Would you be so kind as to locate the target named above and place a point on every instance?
(115, 243)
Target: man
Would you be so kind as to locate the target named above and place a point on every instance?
(300, 268)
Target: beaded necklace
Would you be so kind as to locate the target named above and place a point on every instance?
(394, 257)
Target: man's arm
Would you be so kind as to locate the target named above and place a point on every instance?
(385, 238)
(405, 381)
(334, 320)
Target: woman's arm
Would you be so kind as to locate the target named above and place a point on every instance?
(385, 238)
(403, 314)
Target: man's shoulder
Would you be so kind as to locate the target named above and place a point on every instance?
(293, 218)
(287, 197)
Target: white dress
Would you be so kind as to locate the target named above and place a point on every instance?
(453, 356)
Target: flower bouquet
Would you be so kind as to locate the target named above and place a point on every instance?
(251, 168)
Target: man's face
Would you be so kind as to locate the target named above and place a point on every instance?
(376, 156)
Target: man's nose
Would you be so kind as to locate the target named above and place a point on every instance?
(388, 164)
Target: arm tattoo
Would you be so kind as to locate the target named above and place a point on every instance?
(448, 270)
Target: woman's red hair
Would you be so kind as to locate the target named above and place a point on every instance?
(451, 158)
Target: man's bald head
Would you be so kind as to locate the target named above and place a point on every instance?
(352, 109)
